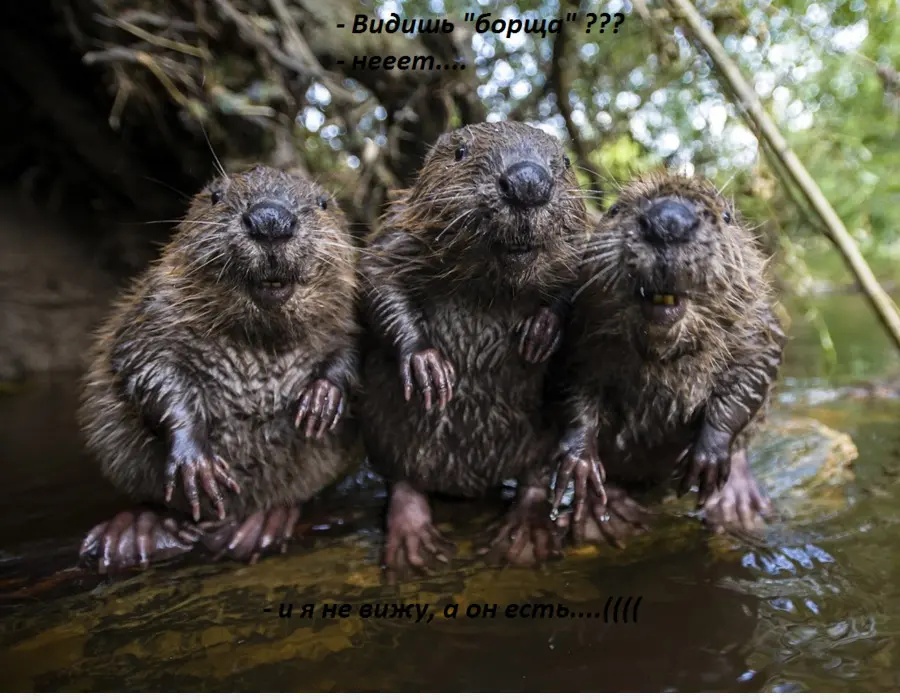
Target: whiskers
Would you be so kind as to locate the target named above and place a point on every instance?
(218, 163)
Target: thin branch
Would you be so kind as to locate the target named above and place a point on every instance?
(252, 35)
(560, 81)
(162, 42)
(754, 111)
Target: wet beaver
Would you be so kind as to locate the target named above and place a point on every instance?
(669, 358)
(466, 293)
(227, 369)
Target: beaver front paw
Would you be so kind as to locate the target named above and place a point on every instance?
(413, 542)
(540, 336)
(526, 535)
(741, 505)
(321, 406)
(137, 538)
(433, 375)
(613, 520)
(194, 463)
(585, 468)
(710, 463)
(264, 532)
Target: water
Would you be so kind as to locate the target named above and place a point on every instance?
(815, 607)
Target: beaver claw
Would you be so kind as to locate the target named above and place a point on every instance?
(710, 463)
(321, 406)
(261, 533)
(433, 374)
(583, 468)
(740, 505)
(613, 520)
(526, 535)
(540, 336)
(413, 542)
(137, 539)
(188, 457)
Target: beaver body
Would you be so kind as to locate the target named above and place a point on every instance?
(670, 357)
(468, 282)
(220, 382)
(494, 428)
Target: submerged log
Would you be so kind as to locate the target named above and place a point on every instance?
(206, 626)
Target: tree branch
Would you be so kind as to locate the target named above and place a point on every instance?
(753, 110)
(560, 81)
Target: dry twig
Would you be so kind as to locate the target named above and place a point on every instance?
(751, 106)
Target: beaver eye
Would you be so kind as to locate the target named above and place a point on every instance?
(614, 209)
(461, 152)
(726, 216)
(215, 196)
(567, 162)
(322, 202)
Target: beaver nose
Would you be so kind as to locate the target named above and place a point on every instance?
(526, 184)
(270, 221)
(669, 221)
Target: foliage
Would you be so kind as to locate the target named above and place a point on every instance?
(631, 100)
(815, 65)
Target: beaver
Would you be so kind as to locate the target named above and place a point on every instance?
(227, 369)
(467, 284)
(668, 361)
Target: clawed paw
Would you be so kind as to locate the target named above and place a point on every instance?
(526, 535)
(262, 533)
(137, 539)
(587, 471)
(612, 521)
(433, 375)
(740, 507)
(710, 464)
(196, 465)
(321, 407)
(415, 551)
(540, 336)
(413, 544)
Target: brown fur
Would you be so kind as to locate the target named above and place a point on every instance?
(438, 246)
(189, 332)
(452, 221)
(648, 389)
(465, 279)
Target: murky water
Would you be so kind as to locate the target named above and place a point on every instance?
(813, 607)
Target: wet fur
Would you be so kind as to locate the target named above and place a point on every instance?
(434, 278)
(187, 334)
(646, 391)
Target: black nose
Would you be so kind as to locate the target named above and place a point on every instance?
(526, 184)
(270, 221)
(669, 221)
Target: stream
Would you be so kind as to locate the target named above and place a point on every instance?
(813, 606)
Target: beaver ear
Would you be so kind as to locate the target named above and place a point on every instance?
(443, 143)
(567, 162)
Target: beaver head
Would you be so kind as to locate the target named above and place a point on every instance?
(253, 239)
(675, 261)
(498, 200)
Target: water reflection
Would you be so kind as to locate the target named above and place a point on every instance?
(813, 606)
